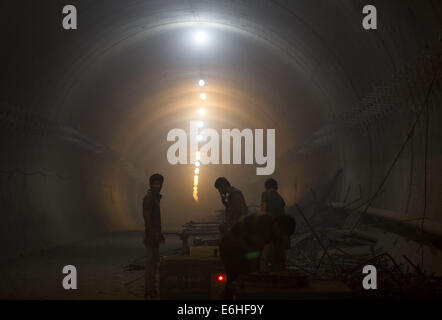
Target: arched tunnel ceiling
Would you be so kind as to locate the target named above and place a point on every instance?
(128, 74)
(328, 60)
(297, 32)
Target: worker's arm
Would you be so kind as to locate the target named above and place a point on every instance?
(264, 206)
(223, 199)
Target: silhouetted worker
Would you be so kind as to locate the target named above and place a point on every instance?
(233, 199)
(271, 200)
(273, 256)
(153, 236)
(242, 245)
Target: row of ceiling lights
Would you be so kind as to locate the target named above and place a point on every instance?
(202, 112)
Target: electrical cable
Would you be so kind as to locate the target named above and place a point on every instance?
(402, 148)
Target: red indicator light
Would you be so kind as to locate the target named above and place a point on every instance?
(220, 278)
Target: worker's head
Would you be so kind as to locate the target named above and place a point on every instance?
(156, 182)
(271, 184)
(223, 185)
(284, 226)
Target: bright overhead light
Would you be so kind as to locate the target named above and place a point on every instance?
(203, 96)
(197, 164)
(202, 111)
(201, 37)
(201, 83)
(197, 170)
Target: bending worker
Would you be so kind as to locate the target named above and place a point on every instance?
(233, 200)
(242, 244)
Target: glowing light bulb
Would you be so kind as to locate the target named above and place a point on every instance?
(201, 83)
(201, 37)
(203, 96)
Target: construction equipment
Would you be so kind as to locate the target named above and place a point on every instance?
(191, 277)
(198, 272)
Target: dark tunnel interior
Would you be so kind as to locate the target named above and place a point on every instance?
(85, 114)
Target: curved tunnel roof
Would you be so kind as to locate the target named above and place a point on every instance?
(129, 74)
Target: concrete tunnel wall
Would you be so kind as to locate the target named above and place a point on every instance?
(63, 180)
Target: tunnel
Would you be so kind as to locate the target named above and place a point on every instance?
(86, 113)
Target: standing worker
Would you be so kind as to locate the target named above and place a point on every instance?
(153, 236)
(233, 200)
(273, 256)
(271, 200)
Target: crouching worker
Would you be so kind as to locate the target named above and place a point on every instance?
(242, 245)
(153, 236)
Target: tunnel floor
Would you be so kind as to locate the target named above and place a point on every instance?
(108, 267)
